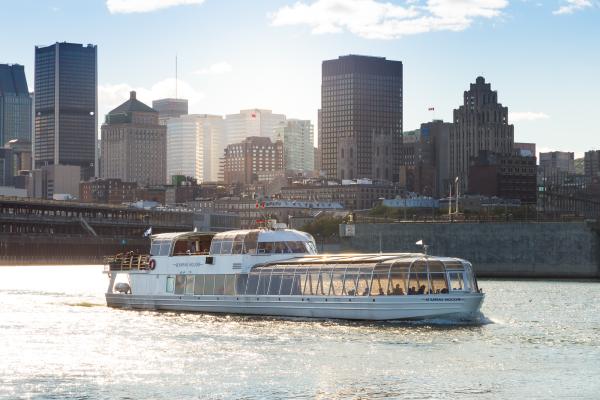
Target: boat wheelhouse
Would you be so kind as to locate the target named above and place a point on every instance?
(277, 272)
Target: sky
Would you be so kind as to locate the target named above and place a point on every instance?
(542, 57)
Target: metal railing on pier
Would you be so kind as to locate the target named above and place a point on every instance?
(127, 262)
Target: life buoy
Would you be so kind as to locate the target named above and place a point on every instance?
(152, 265)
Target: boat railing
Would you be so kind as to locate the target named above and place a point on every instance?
(127, 262)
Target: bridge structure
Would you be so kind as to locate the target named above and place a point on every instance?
(35, 231)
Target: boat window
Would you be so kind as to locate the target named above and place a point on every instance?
(312, 280)
(238, 244)
(275, 283)
(311, 248)
(229, 285)
(436, 266)
(155, 247)
(215, 247)
(297, 247)
(380, 281)
(471, 277)
(179, 284)
(453, 265)
(199, 284)
(418, 283)
(219, 284)
(209, 284)
(165, 247)
(324, 283)
(280, 248)
(399, 278)
(263, 282)
(170, 284)
(265, 248)
(189, 284)
(250, 241)
(363, 281)
(240, 283)
(252, 283)
(226, 247)
(337, 284)
(286, 282)
(456, 280)
(350, 281)
(299, 280)
(438, 282)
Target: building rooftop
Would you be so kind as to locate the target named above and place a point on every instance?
(132, 105)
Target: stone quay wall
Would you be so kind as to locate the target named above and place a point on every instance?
(503, 250)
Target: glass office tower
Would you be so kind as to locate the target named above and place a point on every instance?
(66, 106)
(15, 104)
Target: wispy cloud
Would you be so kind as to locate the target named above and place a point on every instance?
(222, 67)
(571, 6)
(375, 19)
(526, 116)
(141, 6)
(112, 95)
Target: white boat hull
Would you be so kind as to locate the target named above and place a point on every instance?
(376, 308)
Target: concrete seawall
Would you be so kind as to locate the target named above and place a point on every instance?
(515, 250)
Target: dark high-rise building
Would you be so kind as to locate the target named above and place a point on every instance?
(361, 118)
(15, 104)
(66, 106)
(170, 108)
(591, 163)
(481, 123)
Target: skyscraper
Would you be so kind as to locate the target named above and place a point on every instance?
(361, 117)
(134, 144)
(170, 108)
(15, 104)
(481, 123)
(298, 145)
(254, 122)
(194, 146)
(66, 104)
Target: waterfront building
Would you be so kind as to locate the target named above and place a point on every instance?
(134, 144)
(554, 163)
(480, 124)
(298, 145)
(507, 176)
(352, 194)
(254, 122)
(361, 118)
(591, 163)
(110, 191)
(66, 106)
(54, 181)
(170, 108)
(21, 150)
(194, 146)
(6, 167)
(424, 159)
(254, 157)
(15, 104)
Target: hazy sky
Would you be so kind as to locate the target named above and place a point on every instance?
(543, 57)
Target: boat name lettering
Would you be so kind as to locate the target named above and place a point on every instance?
(443, 299)
(188, 264)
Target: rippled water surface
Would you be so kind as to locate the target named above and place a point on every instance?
(59, 340)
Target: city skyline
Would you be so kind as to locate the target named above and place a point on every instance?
(272, 59)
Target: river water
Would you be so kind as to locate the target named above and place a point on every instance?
(58, 340)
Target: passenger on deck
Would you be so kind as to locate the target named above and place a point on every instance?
(412, 290)
(381, 293)
(398, 290)
(366, 291)
(351, 292)
(421, 289)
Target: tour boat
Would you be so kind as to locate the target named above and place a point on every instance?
(277, 272)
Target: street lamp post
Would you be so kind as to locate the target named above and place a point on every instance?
(457, 192)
